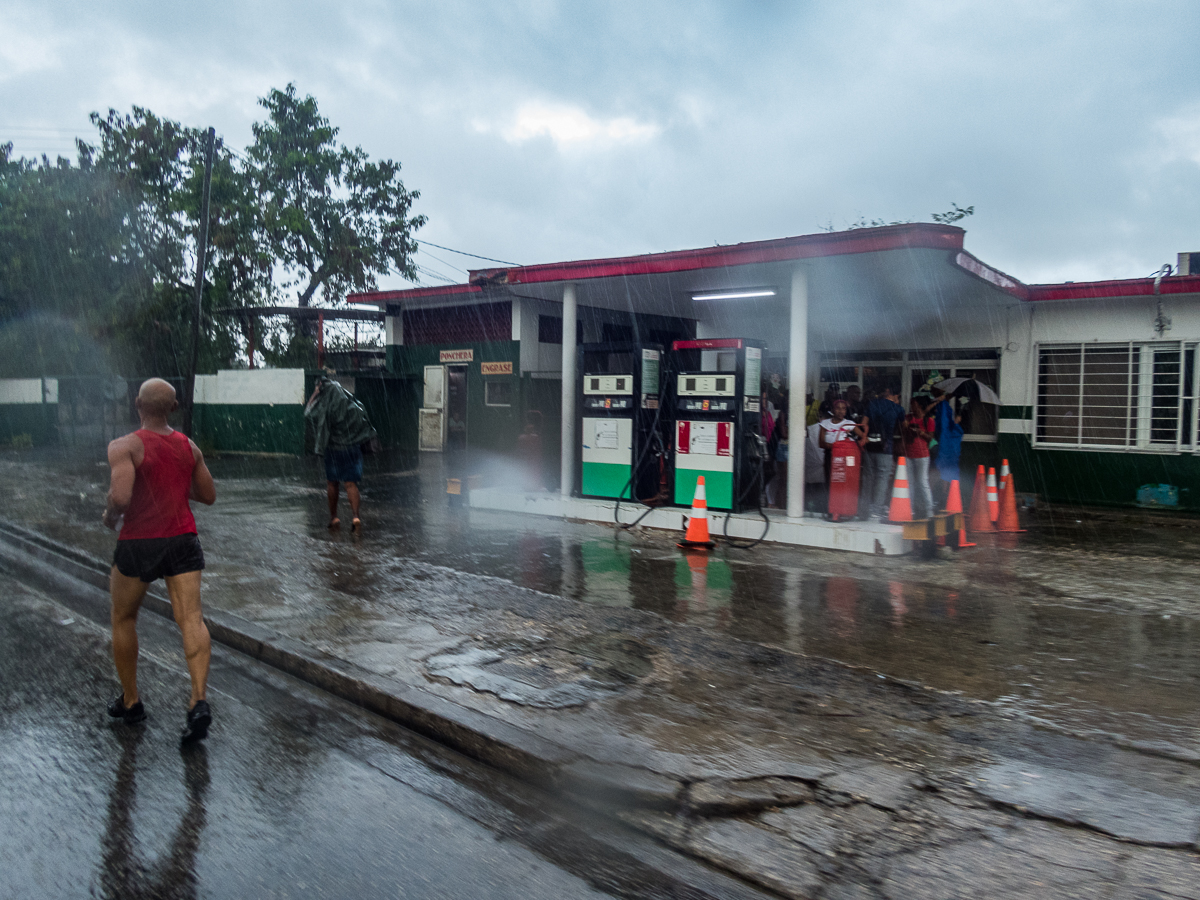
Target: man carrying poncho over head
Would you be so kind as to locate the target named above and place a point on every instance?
(341, 427)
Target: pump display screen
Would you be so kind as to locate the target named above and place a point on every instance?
(608, 384)
(706, 386)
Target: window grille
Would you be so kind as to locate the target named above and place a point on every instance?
(1116, 396)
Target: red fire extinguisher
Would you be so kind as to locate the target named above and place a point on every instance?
(845, 472)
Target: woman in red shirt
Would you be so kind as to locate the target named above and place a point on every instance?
(918, 432)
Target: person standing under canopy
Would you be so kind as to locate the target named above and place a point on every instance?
(918, 432)
(949, 441)
(341, 427)
(883, 415)
(155, 472)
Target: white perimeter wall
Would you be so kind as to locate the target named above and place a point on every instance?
(28, 390)
(246, 387)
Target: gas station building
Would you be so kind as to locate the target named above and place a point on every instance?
(1097, 381)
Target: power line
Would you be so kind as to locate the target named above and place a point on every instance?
(445, 263)
(435, 274)
(464, 253)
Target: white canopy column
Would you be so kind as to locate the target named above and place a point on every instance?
(569, 437)
(797, 376)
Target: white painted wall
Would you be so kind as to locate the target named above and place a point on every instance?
(28, 390)
(247, 387)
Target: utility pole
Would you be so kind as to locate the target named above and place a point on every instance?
(201, 259)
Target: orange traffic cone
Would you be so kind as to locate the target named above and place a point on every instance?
(697, 528)
(954, 505)
(1008, 520)
(1003, 477)
(980, 520)
(993, 496)
(901, 508)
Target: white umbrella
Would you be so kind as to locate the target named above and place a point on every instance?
(986, 394)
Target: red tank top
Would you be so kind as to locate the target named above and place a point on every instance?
(159, 508)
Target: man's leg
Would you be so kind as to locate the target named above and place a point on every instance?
(184, 591)
(918, 479)
(866, 486)
(353, 496)
(331, 493)
(884, 482)
(127, 595)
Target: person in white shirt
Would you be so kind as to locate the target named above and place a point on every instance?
(838, 428)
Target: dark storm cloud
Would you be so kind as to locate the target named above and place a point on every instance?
(539, 131)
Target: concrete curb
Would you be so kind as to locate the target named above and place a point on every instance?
(515, 751)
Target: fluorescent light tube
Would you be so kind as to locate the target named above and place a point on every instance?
(735, 295)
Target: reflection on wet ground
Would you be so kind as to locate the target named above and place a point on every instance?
(1004, 624)
(295, 794)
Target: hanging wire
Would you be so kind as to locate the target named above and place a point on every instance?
(464, 253)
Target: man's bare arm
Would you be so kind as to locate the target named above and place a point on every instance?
(203, 489)
(120, 488)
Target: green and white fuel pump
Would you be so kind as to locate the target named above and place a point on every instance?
(619, 415)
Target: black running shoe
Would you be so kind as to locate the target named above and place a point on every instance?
(199, 717)
(131, 714)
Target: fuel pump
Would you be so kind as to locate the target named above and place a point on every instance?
(717, 402)
(619, 409)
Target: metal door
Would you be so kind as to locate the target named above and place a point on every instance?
(432, 415)
(456, 408)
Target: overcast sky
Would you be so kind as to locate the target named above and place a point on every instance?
(539, 131)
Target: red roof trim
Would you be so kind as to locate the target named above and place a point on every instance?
(969, 262)
(1128, 287)
(809, 246)
(413, 293)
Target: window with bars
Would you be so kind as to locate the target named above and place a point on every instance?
(1117, 396)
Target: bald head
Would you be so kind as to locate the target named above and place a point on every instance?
(156, 398)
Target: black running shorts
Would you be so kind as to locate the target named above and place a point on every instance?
(149, 559)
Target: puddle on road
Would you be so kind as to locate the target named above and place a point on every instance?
(1111, 671)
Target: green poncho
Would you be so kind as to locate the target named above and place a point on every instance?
(337, 418)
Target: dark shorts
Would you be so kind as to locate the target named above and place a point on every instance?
(343, 464)
(149, 559)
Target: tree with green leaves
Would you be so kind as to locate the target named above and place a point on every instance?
(160, 165)
(97, 258)
(65, 269)
(331, 217)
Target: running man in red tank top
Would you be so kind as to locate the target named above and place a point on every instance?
(155, 472)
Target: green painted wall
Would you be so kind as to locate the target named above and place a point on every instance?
(250, 428)
(545, 396)
(391, 403)
(38, 420)
(490, 428)
(1099, 478)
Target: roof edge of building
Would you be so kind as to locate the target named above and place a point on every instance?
(1114, 288)
(383, 297)
(915, 235)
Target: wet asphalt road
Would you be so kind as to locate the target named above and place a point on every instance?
(1089, 621)
(294, 794)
